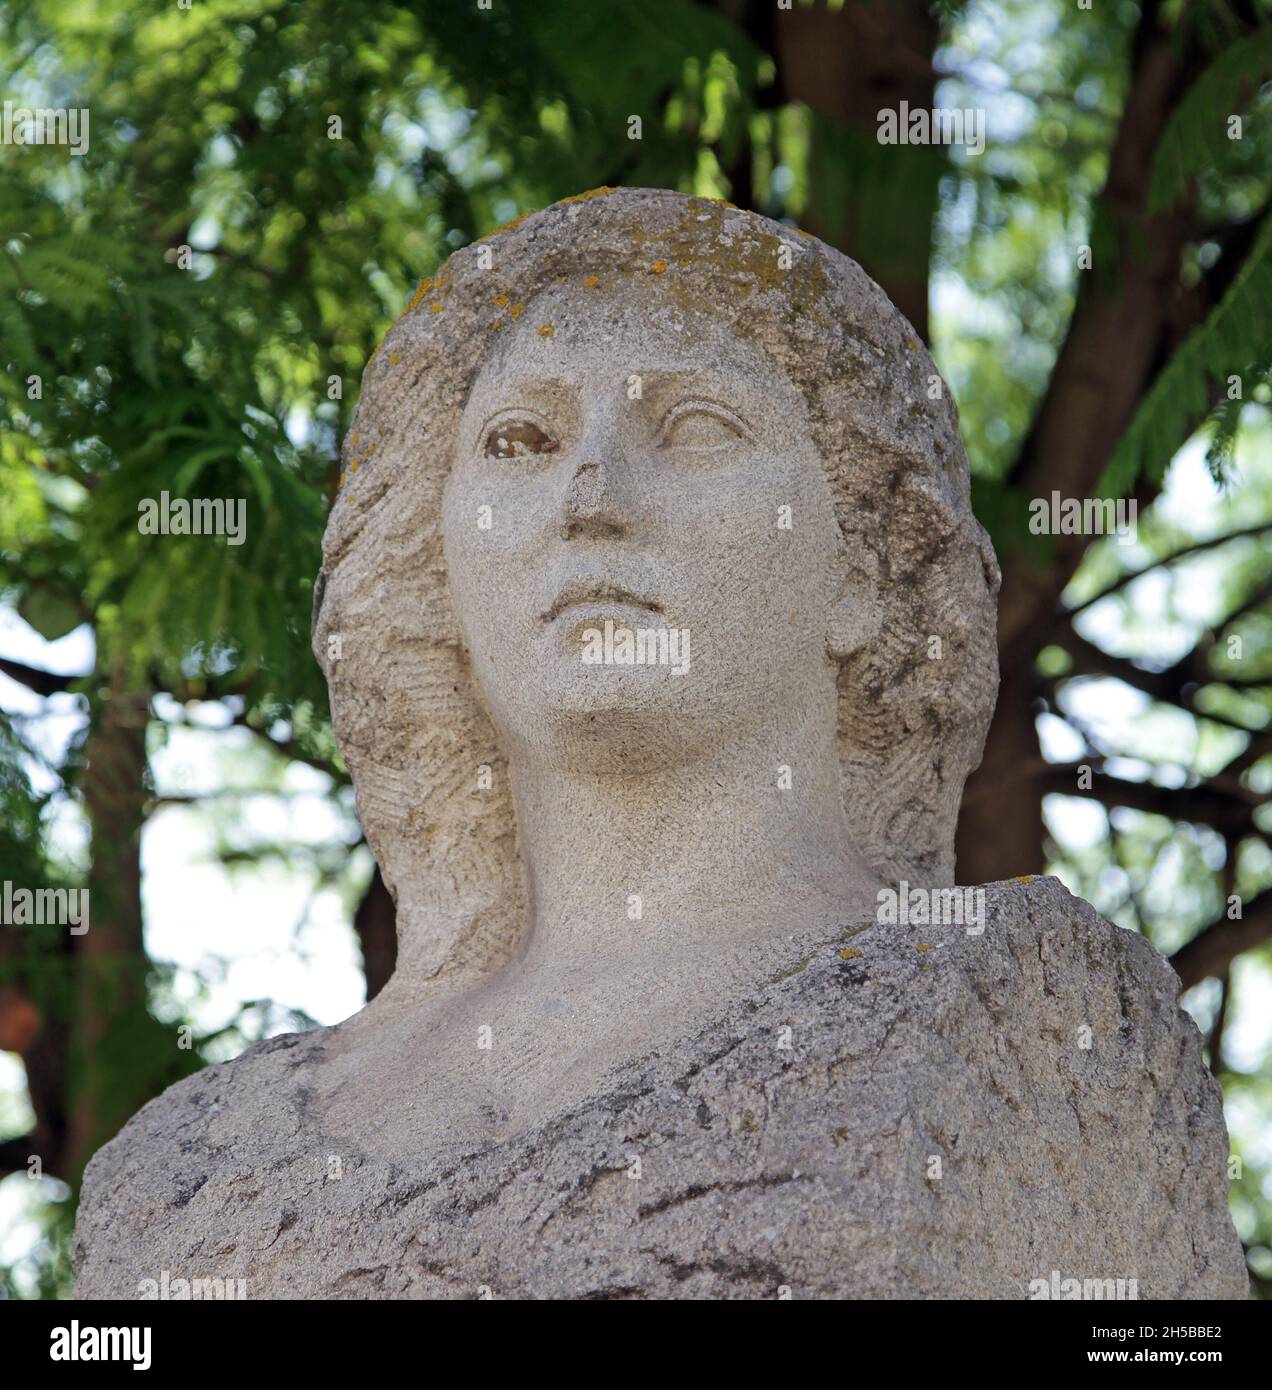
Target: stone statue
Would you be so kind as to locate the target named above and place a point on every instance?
(660, 640)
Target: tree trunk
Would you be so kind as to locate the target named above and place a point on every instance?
(108, 1078)
(875, 202)
(1000, 826)
(375, 921)
(1118, 337)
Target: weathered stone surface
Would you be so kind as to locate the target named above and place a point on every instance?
(761, 1166)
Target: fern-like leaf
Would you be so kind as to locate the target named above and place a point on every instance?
(1196, 138)
(1238, 331)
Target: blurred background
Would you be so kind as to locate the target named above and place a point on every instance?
(188, 307)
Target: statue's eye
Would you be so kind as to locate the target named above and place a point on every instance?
(516, 438)
(701, 426)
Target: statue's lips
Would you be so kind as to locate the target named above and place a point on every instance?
(593, 593)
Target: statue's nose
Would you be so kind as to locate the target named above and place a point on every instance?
(591, 508)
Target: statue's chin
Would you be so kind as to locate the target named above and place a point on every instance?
(626, 725)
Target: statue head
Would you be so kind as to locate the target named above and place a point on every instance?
(633, 482)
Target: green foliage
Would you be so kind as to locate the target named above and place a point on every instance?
(1009, 220)
(1218, 139)
(212, 381)
(1198, 138)
(21, 850)
(1225, 345)
(1226, 420)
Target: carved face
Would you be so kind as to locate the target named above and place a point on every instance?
(636, 468)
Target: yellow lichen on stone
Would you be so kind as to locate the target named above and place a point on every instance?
(516, 311)
(719, 249)
(422, 289)
(394, 359)
(800, 965)
(1026, 878)
(546, 330)
(501, 301)
(850, 953)
(504, 227)
(922, 945)
(521, 216)
(658, 267)
(583, 197)
(436, 307)
(590, 282)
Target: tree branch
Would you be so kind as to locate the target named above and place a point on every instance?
(1197, 548)
(15, 1154)
(1202, 805)
(1167, 687)
(1213, 949)
(42, 682)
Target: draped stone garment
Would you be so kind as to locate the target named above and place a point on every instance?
(887, 1112)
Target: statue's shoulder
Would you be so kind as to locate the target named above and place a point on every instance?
(228, 1121)
(899, 1109)
(895, 1113)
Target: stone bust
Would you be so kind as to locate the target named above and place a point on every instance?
(660, 639)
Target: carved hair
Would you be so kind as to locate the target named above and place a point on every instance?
(916, 694)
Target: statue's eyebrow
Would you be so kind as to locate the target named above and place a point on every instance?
(662, 388)
(667, 388)
(699, 381)
(704, 379)
(510, 387)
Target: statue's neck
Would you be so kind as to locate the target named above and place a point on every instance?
(624, 866)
